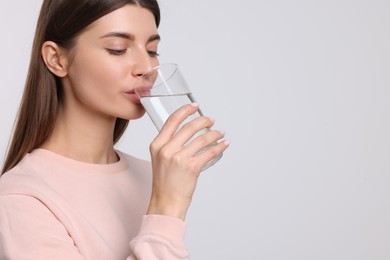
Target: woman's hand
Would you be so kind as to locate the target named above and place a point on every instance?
(175, 167)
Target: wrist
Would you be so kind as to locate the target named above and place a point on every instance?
(172, 208)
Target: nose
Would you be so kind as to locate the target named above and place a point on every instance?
(142, 63)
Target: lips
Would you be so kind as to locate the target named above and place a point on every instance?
(142, 91)
(130, 92)
(136, 93)
(132, 96)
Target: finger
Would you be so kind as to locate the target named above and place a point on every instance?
(191, 129)
(212, 152)
(203, 141)
(173, 122)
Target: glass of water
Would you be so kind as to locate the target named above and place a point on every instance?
(162, 91)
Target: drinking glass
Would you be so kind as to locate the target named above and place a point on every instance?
(162, 91)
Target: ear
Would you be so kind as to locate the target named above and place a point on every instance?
(55, 58)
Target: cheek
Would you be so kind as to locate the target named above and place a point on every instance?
(96, 73)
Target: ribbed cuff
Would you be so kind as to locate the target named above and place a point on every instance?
(165, 226)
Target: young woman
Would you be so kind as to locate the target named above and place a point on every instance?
(65, 192)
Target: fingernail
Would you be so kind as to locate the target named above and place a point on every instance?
(212, 119)
(222, 133)
(195, 104)
(226, 142)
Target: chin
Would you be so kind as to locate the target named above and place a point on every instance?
(134, 115)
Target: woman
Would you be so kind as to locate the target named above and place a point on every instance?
(66, 192)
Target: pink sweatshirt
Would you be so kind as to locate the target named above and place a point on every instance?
(53, 207)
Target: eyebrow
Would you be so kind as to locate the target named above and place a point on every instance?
(127, 36)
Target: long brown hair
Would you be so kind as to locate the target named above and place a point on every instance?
(60, 21)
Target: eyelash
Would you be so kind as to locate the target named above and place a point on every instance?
(116, 52)
(121, 52)
(153, 54)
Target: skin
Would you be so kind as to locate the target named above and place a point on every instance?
(98, 76)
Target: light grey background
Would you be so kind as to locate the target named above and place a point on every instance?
(301, 88)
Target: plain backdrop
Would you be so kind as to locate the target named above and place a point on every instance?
(301, 88)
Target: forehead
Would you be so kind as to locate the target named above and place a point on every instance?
(130, 18)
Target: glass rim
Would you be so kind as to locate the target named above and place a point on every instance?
(156, 68)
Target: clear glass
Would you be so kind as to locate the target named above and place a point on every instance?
(162, 92)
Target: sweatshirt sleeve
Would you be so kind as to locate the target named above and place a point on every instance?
(29, 230)
(160, 237)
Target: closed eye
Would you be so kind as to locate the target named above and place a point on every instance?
(116, 52)
(153, 54)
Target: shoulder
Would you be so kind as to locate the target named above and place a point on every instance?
(22, 179)
(135, 164)
(22, 190)
(140, 170)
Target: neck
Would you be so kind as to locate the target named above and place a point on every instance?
(83, 137)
